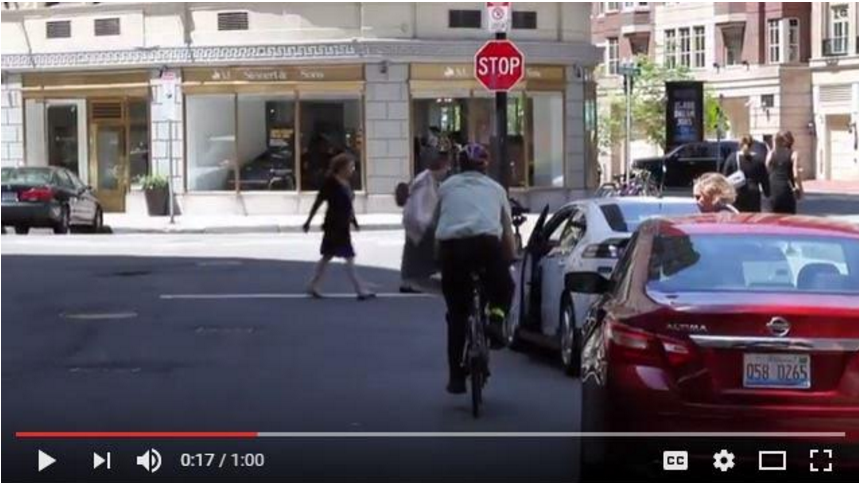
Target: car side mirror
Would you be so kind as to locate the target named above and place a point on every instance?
(587, 282)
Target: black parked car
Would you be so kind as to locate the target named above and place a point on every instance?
(48, 197)
(686, 162)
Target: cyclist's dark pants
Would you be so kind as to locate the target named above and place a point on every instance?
(459, 259)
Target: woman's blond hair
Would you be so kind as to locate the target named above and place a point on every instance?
(716, 185)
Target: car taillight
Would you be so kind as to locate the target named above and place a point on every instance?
(42, 193)
(639, 346)
(607, 249)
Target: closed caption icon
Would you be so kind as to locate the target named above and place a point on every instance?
(675, 460)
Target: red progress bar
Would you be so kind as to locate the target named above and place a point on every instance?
(137, 434)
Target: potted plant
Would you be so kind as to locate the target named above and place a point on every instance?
(157, 194)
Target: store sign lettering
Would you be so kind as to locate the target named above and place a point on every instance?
(311, 74)
(456, 72)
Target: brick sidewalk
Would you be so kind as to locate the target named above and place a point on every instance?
(831, 187)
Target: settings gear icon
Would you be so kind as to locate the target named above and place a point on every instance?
(723, 460)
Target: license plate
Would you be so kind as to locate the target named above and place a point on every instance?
(10, 196)
(790, 371)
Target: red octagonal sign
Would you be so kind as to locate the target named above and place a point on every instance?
(499, 65)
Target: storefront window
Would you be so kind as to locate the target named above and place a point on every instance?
(266, 143)
(211, 141)
(63, 137)
(547, 139)
(329, 125)
(138, 146)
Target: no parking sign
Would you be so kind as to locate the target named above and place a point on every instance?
(498, 14)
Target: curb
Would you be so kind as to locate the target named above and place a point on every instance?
(233, 230)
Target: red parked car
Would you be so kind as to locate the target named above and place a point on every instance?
(724, 323)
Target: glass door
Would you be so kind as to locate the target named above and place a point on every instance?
(111, 168)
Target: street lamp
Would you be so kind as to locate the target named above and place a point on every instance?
(629, 69)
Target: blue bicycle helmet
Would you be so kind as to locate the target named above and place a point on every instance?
(473, 156)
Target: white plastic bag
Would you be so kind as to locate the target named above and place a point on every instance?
(420, 207)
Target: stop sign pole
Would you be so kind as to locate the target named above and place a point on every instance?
(501, 130)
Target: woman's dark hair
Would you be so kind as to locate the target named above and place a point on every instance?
(784, 139)
(338, 163)
(747, 141)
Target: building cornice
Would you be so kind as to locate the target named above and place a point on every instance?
(369, 51)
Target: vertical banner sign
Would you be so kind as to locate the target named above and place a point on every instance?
(168, 107)
(498, 14)
(684, 113)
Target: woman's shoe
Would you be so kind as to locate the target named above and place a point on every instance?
(313, 293)
(366, 296)
(408, 289)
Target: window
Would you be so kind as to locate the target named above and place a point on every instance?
(525, 20)
(211, 142)
(58, 29)
(547, 139)
(670, 49)
(330, 125)
(613, 54)
(733, 45)
(106, 26)
(233, 21)
(626, 217)
(638, 45)
(464, 19)
(62, 135)
(774, 41)
(793, 40)
(612, 6)
(685, 48)
(767, 101)
(839, 29)
(634, 5)
(700, 47)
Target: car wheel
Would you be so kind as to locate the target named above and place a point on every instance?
(97, 221)
(22, 230)
(569, 339)
(62, 227)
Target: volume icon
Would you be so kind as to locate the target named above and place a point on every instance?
(150, 460)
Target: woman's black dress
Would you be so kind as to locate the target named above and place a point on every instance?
(757, 180)
(337, 238)
(782, 181)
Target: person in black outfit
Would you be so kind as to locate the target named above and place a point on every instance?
(337, 238)
(757, 178)
(785, 182)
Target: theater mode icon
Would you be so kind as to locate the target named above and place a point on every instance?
(675, 460)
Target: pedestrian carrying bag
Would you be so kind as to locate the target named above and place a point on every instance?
(738, 177)
(401, 194)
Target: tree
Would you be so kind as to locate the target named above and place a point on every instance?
(648, 107)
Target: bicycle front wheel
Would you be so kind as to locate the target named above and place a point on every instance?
(477, 378)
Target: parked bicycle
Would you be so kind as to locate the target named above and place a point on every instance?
(639, 183)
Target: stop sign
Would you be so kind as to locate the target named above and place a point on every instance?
(499, 65)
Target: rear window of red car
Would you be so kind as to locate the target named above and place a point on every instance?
(771, 263)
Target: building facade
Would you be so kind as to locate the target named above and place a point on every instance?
(767, 63)
(246, 103)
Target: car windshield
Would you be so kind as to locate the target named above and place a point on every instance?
(26, 175)
(771, 263)
(625, 217)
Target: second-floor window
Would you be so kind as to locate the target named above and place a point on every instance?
(612, 6)
(793, 40)
(634, 5)
(700, 47)
(685, 48)
(106, 26)
(733, 44)
(670, 49)
(233, 21)
(774, 41)
(463, 19)
(839, 29)
(612, 56)
(525, 20)
(58, 29)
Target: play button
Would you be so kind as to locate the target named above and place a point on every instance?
(45, 460)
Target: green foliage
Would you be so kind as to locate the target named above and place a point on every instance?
(152, 181)
(648, 106)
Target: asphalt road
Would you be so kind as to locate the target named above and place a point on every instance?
(93, 342)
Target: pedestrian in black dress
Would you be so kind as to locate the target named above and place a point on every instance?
(339, 218)
(756, 177)
(785, 182)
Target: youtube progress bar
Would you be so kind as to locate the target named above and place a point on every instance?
(407, 434)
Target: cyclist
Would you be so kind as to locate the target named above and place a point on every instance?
(475, 236)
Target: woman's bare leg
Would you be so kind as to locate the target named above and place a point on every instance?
(353, 276)
(318, 273)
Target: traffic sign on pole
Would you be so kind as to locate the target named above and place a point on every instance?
(499, 65)
(498, 14)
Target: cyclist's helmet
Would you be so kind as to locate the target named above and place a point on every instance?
(473, 157)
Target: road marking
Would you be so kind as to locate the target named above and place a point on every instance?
(100, 315)
(219, 263)
(232, 296)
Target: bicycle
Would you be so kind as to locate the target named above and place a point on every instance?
(476, 354)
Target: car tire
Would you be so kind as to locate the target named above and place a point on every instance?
(22, 230)
(569, 339)
(62, 227)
